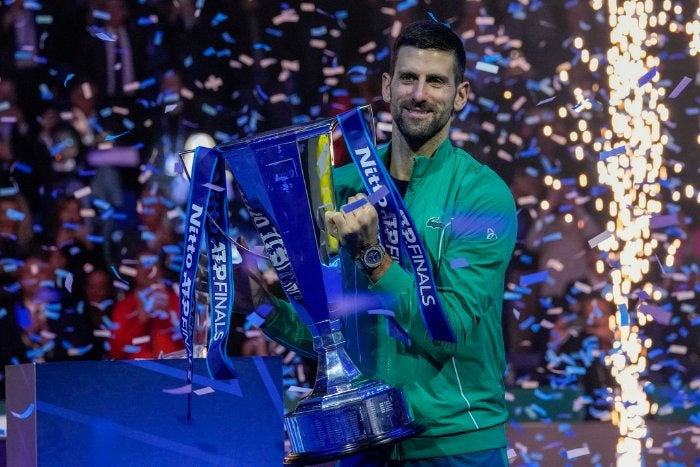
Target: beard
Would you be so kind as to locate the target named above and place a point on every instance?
(417, 132)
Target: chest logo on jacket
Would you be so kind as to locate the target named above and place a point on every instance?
(434, 223)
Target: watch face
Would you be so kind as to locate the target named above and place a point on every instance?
(373, 256)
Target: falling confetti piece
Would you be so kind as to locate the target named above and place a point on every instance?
(216, 188)
(105, 36)
(186, 389)
(459, 263)
(680, 87)
(600, 238)
(141, 340)
(203, 391)
(68, 78)
(15, 215)
(544, 101)
(24, 415)
(616, 151)
(534, 278)
(578, 452)
(113, 137)
(648, 76)
(660, 222)
(487, 67)
(624, 315)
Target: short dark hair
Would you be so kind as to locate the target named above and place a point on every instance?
(432, 35)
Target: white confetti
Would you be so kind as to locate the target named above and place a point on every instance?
(186, 389)
(678, 349)
(141, 340)
(82, 192)
(578, 452)
(487, 67)
(600, 238)
(203, 391)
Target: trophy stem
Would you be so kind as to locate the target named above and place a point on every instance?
(345, 412)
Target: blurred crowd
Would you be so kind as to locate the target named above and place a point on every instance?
(99, 97)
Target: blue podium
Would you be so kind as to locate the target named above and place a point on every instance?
(116, 413)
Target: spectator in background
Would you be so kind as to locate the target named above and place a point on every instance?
(524, 355)
(580, 340)
(15, 226)
(83, 111)
(154, 231)
(146, 321)
(69, 225)
(99, 303)
(38, 295)
(114, 64)
(21, 157)
(560, 237)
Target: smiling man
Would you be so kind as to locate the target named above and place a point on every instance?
(465, 216)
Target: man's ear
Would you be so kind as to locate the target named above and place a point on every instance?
(386, 87)
(461, 96)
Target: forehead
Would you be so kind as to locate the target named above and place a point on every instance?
(425, 61)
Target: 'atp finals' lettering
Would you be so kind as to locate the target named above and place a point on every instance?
(419, 262)
(220, 289)
(390, 233)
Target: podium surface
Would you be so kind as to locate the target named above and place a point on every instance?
(116, 413)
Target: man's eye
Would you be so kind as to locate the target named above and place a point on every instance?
(407, 78)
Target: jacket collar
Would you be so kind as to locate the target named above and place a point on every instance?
(421, 164)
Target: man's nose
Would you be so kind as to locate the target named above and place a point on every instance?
(419, 91)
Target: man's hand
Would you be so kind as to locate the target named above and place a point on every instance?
(357, 229)
(354, 229)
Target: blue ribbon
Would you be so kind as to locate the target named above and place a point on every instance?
(207, 214)
(220, 262)
(391, 208)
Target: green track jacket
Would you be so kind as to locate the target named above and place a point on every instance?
(466, 217)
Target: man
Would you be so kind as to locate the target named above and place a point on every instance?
(466, 217)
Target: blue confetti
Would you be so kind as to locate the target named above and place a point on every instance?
(648, 76)
(624, 315)
(219, 18)
(22, 167)
(113, 137)
(24, 415)
(534, 278)
(405, 5)
(68, 78)
(613, 152)
(552, 237)
(14, 214)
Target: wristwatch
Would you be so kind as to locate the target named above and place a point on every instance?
(371, 256)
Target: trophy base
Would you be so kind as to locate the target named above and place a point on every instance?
(331, 426)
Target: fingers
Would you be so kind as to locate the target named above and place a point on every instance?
(356, 226)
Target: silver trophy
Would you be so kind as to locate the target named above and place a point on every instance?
(285, 178)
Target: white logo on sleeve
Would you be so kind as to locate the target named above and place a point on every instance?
(490, 234)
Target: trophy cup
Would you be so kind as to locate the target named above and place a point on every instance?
(285, 179)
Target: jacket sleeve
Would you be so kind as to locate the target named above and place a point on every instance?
(469, 272)
(286, 328)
